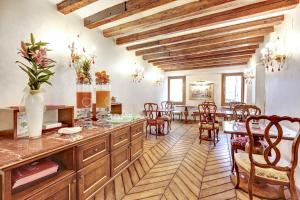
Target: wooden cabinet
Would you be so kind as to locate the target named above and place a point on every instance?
(120, 158)
(136, 148)
(137, 130)
(60, 187)
(92, 177)
(120, 138)
(92, 151)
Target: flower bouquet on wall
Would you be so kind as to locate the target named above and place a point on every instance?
(38, 69)
(103, 100)
(82, 65)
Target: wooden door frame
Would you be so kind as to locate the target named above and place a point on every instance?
(223, 103)
(183, 89)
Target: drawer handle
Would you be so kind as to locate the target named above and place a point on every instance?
(95, 150)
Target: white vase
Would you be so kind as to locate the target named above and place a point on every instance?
(34, 107)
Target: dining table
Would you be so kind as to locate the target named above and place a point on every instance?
(260, 189)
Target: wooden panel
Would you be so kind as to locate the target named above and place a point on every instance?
(92, 151)
(208, 48)
(92, 177)
(185, 10)
(255, 9)
(206, 42)
(119, 138)
(136, 147)
(204, 67)
(212, 32)
(137, 130)
(68, 6)
(122, 10)
(119, 159)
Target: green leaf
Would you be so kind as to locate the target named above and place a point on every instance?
(32, 38)
(40, 43)
(31, 77)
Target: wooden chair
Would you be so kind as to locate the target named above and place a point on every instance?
(240, 114)
(167, 116)
(232, 105)
(151, 112)
(208, 122)
(178, 113)
(264, 168)
(197, 113)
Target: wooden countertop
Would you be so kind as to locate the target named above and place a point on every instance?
(15, 152)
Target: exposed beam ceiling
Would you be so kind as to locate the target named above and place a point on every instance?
(260, 8)
(213, 33)
(122, 10)
(187, 34)
(69, 6)
(173, 13)
(205, 42)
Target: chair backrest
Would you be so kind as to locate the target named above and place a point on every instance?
(234, 103)
(150, 110)
(167, 105)
(208, 103)
(253, 110)
(272, 144)
(207, 112)
(240, 112)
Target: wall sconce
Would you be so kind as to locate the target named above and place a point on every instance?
(249, 77)
(138, 75)
(272, 60)
(158, 82)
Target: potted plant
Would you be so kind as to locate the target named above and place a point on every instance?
(38, 69)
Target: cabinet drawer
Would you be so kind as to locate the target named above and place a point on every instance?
(92, 177)
(136, 147)
(120, 138)
(94, 150)
(137, 130)
(119, 159)
(65, 189)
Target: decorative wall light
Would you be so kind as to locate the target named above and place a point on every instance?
(158, 82)
(249, 77)
(138, 74)
(272, 60)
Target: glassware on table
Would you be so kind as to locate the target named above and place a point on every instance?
(84, 104)
(103, 102)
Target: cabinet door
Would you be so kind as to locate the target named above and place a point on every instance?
(92, 151)
(120, 158)
(92, 177)
(136, 147)
(120, 138)
(137, 130)
(65, 189)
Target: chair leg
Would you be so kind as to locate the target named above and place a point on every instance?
(250, 186)
(156, 131)
(232, 157)
(293, 190)
(200, 137)
(214, 138)
(237, 185)
(217, 134)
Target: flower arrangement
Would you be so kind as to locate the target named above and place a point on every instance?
(38, 70)
(102, 77)
(82, 64)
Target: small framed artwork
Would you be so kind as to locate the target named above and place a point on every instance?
(202, 90)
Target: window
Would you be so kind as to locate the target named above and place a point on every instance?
(176, 89)
(232, 88)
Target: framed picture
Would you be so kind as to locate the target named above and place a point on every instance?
(202, 90)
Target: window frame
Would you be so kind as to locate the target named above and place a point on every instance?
(183, 89)
(223, 103)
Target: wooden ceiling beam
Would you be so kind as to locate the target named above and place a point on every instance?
(68, 6)
(194, 50)
(121, 11)
(213, 32)
(204, 67)
(217, 52)
(204, 63)
(199, 60)
(251, 10)
(185, 10)
(210, 41)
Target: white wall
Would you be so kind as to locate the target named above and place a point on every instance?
(214, 75)
(279, 92)
(20, 18)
